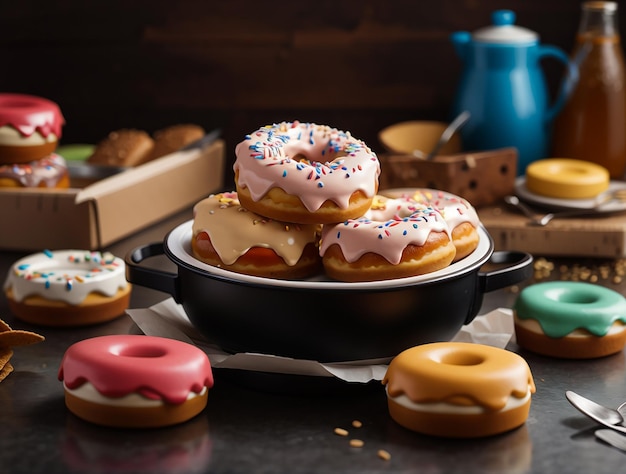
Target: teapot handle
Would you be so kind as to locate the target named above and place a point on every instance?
(572, 76)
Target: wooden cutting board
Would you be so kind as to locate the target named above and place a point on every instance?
(602, 236)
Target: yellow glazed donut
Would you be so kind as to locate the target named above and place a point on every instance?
(566, 178)
(459, 389)
(305, 173)
(572, 320)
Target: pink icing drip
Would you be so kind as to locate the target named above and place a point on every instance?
(28, 114)
(155, 367)
(386, 238)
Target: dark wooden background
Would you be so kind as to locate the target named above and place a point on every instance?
(358, 65)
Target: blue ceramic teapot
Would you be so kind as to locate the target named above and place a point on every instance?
(504, 89)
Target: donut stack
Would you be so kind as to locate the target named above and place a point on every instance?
(30, 128)
(303, 200)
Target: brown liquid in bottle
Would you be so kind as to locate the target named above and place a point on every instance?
(592, 125)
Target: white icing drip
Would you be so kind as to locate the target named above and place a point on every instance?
(448, 408)
(9, 136)
(66, 275)
(89, 393)
(338, 164)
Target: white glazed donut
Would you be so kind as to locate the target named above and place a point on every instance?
(305, 173)
(68, 288)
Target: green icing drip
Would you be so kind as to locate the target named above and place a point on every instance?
(561, 307)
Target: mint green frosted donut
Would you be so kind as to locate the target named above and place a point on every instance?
(560, 307)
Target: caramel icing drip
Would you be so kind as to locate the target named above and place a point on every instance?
(29, 114)
(233, 230)
(317, 163)
(459, 374)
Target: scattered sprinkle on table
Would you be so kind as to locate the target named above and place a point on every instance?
(341, 432)
(384, 455)
(357, 424)
(356, 443)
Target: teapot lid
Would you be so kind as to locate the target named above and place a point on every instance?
(504, 30)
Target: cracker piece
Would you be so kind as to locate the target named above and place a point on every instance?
(5, 355)
(15, 338)
(6, 370)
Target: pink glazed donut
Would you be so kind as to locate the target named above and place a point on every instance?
(135, 381)
(30, 128)
(305, 173)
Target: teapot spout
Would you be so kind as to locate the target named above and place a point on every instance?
(460, 41)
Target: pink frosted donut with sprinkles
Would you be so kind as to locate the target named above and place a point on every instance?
(68, 288)
(49, 172)
(305, 173)
(364, 249)
(460, 215)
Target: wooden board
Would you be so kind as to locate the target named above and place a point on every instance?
(601, 236)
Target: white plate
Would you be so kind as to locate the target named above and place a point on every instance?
(556, 204)
(179, 243)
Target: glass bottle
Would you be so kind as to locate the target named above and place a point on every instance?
(592, 124)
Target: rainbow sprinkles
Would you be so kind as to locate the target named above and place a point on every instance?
(66, 275)
(308, 160)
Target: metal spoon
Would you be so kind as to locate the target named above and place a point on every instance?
(605, 416)
(542, 220)
(452, 127)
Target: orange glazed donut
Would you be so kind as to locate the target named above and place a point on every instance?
(68, 288)
(49, 172)
(30, 128)
(134, 381)
(459, 389)
(227, 235)
(367, 250)
(569, 319)
(458, 213)
(305, 173)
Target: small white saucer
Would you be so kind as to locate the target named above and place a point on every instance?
(556, 204)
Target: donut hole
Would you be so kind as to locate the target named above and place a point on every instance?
(140, 351)
(463, 358)
(572, 297)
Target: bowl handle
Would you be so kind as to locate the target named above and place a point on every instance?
(150, 277)
(520, 269)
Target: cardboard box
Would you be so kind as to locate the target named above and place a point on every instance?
(482, 177)
(112, 208)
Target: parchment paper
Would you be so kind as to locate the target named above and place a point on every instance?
(168, 319)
